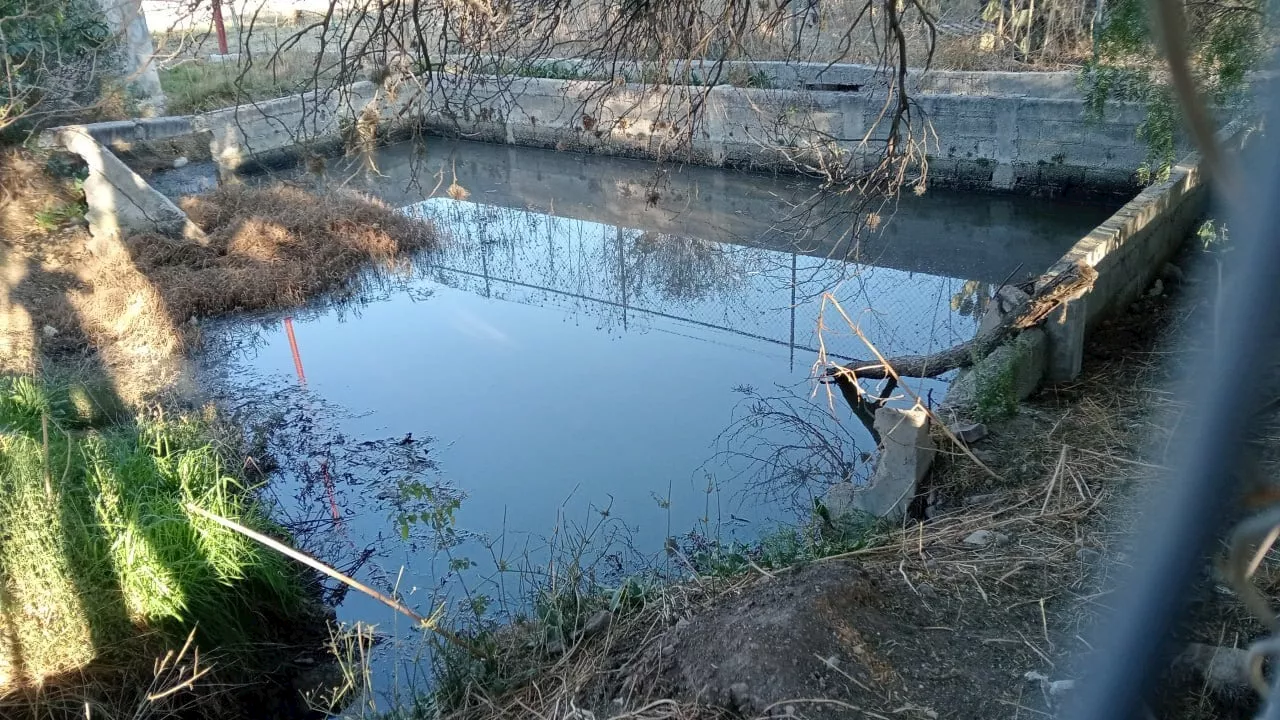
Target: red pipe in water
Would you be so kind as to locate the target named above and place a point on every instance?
(293, 346)
(219, 27)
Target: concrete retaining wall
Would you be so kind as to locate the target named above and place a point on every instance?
(270, 131)
(1004, 142)
(1128, 251)
(1007, 142)
(787, 75)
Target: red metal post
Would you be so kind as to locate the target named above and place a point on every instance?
(219, 27)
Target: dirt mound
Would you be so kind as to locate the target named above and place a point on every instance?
(827, 640)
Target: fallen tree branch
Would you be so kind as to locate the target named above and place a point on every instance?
(1054, 294)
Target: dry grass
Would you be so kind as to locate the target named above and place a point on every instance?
(30, 192)
(133, 308)
(272, 248)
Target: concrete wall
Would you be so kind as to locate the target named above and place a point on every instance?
(1005, 142)
(1010, 143)
(285, 128)
(1128, 251)
(790, 75)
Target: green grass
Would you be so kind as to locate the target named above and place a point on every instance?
(59, 214)
(97, 547)
(199, 86)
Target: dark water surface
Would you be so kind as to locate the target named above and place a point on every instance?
(600, 347)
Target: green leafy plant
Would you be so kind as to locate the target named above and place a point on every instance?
(99, 543)
(51, 54)
(1226, 43)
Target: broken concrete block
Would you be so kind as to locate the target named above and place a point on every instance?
(1010, 373)
(120, 200)
(906, 451)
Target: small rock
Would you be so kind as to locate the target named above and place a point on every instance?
(1088, 556)
(926, 590)
(986, 457)
(597, 623)
(984, 499)
(668, 650)
(982, 538)
(740, 695)
(1157, 288)
(180, 161)
(969, 433)
(50, 331)
(1223, 670)
(1172, 273)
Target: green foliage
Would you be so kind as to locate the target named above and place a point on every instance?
(995, 382)
(99, 542)
(1226, 42)
(49, 51)
(1158, 130)
(1213, 236)
(784, 546)
(199, 86)
(59, 214)
(995, 399)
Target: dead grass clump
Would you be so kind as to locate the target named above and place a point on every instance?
(272, 248)
(265, 249)
(33, 199)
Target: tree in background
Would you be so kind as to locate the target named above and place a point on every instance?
(52, 57)
(1225, 40)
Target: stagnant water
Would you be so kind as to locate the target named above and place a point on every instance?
(604, 349)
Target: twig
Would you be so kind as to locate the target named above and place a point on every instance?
(431, 623)
(1062, 459)
(48, 478)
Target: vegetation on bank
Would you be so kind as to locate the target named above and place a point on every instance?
(102, 559)
(106, 564)
(582, 595)
(194, 86)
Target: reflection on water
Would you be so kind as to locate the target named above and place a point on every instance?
(601, 366)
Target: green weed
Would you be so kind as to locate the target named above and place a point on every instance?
(98, 546)
(822, 536)
(55, 216)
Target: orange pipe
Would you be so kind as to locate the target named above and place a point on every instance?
(293, 347)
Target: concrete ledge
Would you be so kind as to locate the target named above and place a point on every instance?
(109, 133)
(788, 75)
(1005, 142)
(1128, 252)
(119, 199)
